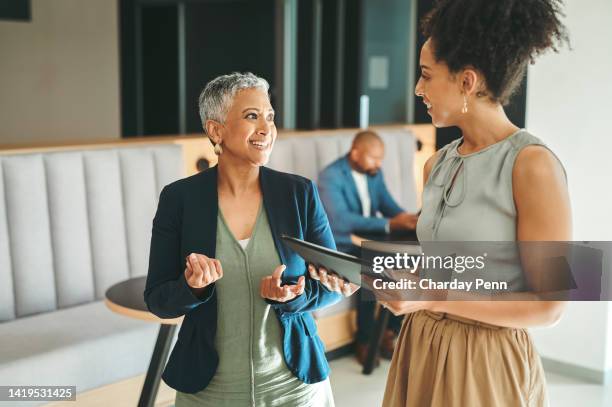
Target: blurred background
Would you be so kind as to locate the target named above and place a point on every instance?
(99, 68)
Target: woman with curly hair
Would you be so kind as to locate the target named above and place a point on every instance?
(496, 183)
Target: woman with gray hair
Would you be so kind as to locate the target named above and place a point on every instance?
(248, 338)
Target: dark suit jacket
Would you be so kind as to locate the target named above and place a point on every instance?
(342, 202)
(186, 222)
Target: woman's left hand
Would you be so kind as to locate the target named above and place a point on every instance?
(406, 307)
(332, 281)
(271, 288)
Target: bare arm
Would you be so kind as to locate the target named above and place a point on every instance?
(543, 214)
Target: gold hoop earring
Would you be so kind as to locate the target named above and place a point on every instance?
(464, 109)
(218, 149)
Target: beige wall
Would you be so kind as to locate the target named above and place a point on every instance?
(568, 105)
(59, 73)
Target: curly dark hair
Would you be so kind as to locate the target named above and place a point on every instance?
(497, 37)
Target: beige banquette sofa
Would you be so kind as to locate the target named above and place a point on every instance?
(76, 219)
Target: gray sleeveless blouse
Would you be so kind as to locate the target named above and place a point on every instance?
(469, 198)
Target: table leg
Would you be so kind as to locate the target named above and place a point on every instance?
(156, 365)
(375, 340)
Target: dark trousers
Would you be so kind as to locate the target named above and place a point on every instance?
(365, 317)
(366, 305)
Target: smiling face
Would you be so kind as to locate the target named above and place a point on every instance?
(249, 132)
(439, 89)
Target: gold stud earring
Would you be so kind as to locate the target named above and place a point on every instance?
(218, 149)
(464, 109)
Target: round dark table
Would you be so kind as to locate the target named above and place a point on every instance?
(126, 298)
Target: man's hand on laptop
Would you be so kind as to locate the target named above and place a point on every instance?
(403, 221)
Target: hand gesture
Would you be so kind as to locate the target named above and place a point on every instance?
(201, 271)
(271, 288)
(332, 281)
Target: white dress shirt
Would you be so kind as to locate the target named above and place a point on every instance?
(361, 181)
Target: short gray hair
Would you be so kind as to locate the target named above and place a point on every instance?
(217, 97)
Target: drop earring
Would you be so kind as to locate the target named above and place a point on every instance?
(464, 109)
(218, 149)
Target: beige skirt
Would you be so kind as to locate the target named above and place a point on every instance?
(445, 360)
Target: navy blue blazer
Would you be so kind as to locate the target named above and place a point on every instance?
(186, 222)
(343, 205)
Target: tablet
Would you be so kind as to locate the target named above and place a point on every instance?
(345, 265)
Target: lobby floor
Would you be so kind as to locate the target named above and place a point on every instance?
(350, 388)
(353, 389)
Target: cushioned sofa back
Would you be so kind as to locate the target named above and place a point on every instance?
(307, 156)
(73, 223)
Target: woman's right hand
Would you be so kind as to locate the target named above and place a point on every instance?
(201, 271)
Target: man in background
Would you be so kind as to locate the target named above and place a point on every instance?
(354, 193)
